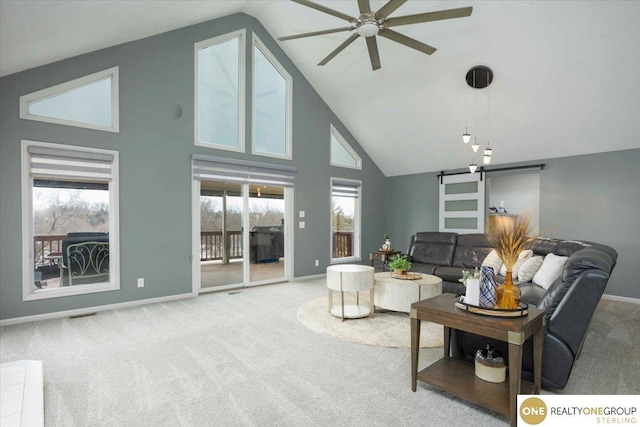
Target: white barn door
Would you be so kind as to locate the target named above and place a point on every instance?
(462, 203)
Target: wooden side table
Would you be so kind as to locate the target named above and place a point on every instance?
(382, 257)
(457, 376)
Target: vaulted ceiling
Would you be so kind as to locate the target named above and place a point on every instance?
(566, 73)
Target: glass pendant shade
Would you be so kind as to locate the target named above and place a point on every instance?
(487, 156)
(472, 167)
(475, 147)
(466, 137)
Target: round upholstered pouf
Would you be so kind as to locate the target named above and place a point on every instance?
(350, 278)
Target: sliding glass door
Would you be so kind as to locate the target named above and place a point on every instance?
(241, 235)
(221, 223)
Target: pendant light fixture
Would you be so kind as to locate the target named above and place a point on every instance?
(466, 137)
(487, 151)
(473, 166)
(479, 77)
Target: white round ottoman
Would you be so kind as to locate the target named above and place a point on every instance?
(350, 278)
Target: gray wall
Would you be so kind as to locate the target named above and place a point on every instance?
(594, 197)
(156, 76)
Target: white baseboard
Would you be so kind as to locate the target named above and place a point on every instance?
(312, 277)
(89, 310)
(622, 299)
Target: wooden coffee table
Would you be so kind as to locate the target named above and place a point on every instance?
(457, 376)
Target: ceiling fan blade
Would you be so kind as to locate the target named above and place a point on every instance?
(407, 41)
(339, 49)
(314, 33)
(430, 16)
(374, 55)
(389, 8)
(364, 6)
(325, 9)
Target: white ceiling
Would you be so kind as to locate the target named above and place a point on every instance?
(567, 73)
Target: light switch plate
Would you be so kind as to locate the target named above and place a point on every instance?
(301, 224)
(301, 214)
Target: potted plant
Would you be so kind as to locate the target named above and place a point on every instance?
(400, 264)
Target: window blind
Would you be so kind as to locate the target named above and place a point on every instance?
(68, 163)
(241, 171)
(345, 189)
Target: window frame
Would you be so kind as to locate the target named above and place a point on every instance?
(256, 43)
(61, 88)
(242, 71)
(357, 229)
(30, 294)
(342, 141)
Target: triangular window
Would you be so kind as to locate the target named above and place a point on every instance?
(341, 152)
(88, 102)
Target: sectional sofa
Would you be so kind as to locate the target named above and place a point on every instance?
(569, 301)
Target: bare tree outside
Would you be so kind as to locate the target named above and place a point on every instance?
(60, 211)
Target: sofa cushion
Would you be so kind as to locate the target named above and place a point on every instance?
(529, 268)
(433, 248)
(493, 260)
(569, 247)
(449, 274)
(418, 267)
(471, 249)
(550, 270)
(531, 294)
(544, 245)
(586, 259)
(522, 257)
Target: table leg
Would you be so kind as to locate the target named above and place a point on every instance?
(342, 303)
(330, 299)
(515, 373)
(538, 346)
(415, 349)
(447, 341)
(371, 306)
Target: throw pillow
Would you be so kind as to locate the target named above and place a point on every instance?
(550, 270)
(529, 269)
(493, 260)
(524, 255)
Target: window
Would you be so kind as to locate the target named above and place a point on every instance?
(70, 220)
(88, 102)
(219, 92)
(341, 152)
(345, 220)
(272, 87)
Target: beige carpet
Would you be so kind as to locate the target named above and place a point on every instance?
(385, 329)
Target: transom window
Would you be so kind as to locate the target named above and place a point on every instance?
(272, 88)
(219, 92)
(70, 211)
(345, 219)
(90, 102)
(341, 152)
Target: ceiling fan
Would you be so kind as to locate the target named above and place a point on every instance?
(370, 24)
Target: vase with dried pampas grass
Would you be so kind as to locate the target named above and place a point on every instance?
(509, 236)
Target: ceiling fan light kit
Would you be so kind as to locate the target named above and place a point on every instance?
(370, 24)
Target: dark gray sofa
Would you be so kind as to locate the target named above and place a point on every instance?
(569, 302)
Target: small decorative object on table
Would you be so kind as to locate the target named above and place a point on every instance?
(472, 282)
(400, 264)
(386, 246)
(509, 237)
(488, 288)
(490, 365)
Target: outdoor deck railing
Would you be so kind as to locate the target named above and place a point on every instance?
(43, 245)
(211, 245)
(342, 244)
